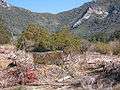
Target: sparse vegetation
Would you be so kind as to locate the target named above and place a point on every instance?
(115, 46)
(49, 58)
(99, 37)
(5, 36)
(102, 48)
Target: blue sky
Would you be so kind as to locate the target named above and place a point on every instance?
(51, 6)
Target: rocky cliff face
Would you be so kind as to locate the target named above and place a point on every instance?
(101, 16)
(91, 11)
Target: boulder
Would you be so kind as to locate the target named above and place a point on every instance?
(4, 63)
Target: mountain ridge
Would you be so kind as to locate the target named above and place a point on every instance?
(91, 17)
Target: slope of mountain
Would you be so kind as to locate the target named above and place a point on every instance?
(94, 17)
(88, 19)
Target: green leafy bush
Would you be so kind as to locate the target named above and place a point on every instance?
(115, 46)
(44, 41)
(36, 34)
(99, 37)
(115, 35)
(66, 41)
(103, 48)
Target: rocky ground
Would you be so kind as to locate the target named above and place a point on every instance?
(89, 71)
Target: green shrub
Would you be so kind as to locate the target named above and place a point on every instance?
(43, 41)
(61, 39)
(115, 35)
(103, 48)
(66, 41)
(99, 37)
(115, 46)
(36, 34)
(116, 50)
(85, 45)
